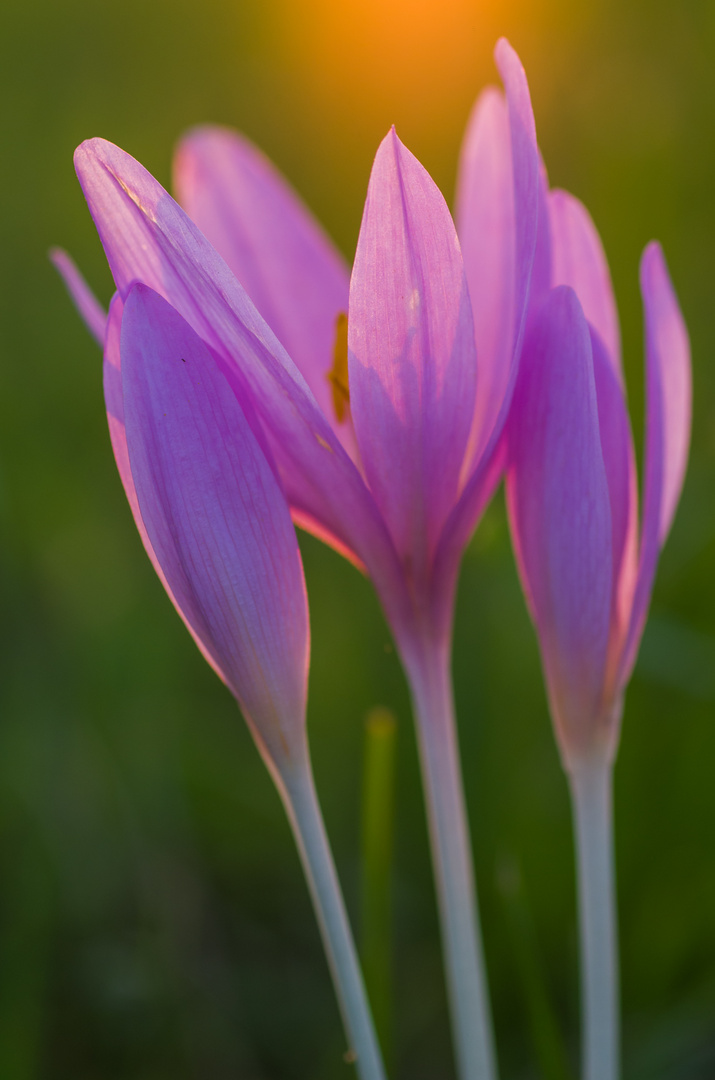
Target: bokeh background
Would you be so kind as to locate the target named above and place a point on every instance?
(153, 918)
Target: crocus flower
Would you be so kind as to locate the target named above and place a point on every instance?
(211, 510)
(571, 482)
(586, 568)
(387, 439)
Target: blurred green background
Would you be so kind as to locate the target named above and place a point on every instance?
(153, 918)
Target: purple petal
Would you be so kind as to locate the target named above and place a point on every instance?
(412, 356)
(526, 175)
(285, 262)
(541, 271)
(148, 238)
(486, 227)
(497, 214)
(559, 513)
(87, 304)
(620, 465)
(217, 519)
(505, 207)
(578, 260)
(669, 398)
(114, 400)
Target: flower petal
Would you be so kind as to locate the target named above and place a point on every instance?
(559, 513)
(268, 237)
(486, 227)
(216, 519)
(669, 400)
(412, 357)
(620, 464)
(147, 237)
(578, 260)
(503, 208)
(114, 401)
(497, 214)
(87, 304)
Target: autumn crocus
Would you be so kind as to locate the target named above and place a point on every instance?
(387, 444)
(213, 517)
(586, 567)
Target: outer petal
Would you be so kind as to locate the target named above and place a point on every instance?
(268, 237)
(620, 465)
(216, 519)
(114, 400)
(669, 399)
(578, 260)
(560, 516)
(90, 309)
(148, 238)
(510, 203)
(498, 197)
(412, 357)
(486, 226)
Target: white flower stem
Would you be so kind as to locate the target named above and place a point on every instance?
(301, 802)
(431, 688)
(591, 790)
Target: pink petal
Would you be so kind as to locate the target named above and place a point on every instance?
(559, 513)
(578, 260)
(501, 206)
(669, 399)
(497, 214)
(114, 400)
(486, 227)
(148, 238)
(412, 357)
(541, 272)
(285, 262)
(87, 304)
(620, 465)
(217, 519)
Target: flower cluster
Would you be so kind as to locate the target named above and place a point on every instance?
(250, 379)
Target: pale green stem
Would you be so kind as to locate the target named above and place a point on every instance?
(299, 796)
(431, 688)
(591, 792)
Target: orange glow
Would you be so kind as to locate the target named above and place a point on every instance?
(407, 61)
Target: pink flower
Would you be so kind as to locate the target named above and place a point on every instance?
(212, 515)
(571, 481)
(387, 439)
(397, 477)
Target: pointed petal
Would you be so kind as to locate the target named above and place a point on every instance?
(669, 400)
(620, 464)
(87, 304)
(578, 260)
(504, 208)
(526, 178)
(486, 227)
(412, 356)
(216, 519)
(541, 273)
(559, 513)
(148, 238)
(286, 263)
(114, 401)
(497, 215)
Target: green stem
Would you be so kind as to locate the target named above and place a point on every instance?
(591, 790)
(431, 687)
(299, 796)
